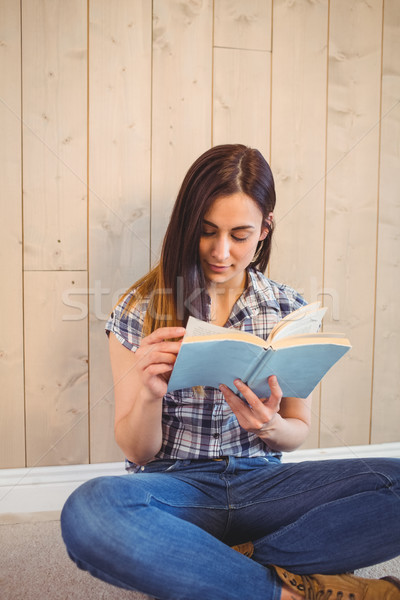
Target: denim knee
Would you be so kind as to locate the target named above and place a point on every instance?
(73, 516)
(83, 513)
(389, 469)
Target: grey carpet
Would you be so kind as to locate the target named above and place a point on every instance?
(34, 566)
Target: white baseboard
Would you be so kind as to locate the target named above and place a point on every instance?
(45, 489)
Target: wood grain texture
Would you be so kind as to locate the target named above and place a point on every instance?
(386, 374)
(298, 143)
(351, 215)
(54, 112)
(119, 196)
(241, 99)
(166, 80)
(56, 368)
(245, 25)
(12, 426)
(182, 100)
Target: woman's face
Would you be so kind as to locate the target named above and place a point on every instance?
(231, 230)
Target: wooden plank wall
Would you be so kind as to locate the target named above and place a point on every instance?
(104, 104)
(12, 419)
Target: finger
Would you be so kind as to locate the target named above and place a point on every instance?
(149, 355)
(238, 407)
(156, 358)
(247, 393)
(148, 350)
(163, 333)
(170, 347)
(244, 413)
(263, 410)
(276, 392)
(231, 398)
(158, 369)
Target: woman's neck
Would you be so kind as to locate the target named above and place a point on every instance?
(223, 299)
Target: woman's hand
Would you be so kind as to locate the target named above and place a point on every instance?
(259, 414)
(282, 423)
(140, 382)
(155, 359)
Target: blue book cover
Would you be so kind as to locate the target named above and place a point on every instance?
(295, 351)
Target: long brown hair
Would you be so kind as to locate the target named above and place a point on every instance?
(176, 285)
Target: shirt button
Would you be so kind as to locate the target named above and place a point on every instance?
(216, 435)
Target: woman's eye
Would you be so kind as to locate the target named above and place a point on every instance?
(234, 237)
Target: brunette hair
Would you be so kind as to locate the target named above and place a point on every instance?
(176, 284)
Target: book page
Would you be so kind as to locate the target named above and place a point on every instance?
(295, 315)
(196, 327)
(306, 323)
(309, 339)
(197, 330)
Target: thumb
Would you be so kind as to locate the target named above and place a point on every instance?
(276, 392)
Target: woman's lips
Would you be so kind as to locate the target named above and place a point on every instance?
(218, 268)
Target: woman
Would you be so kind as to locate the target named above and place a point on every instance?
(207, 507)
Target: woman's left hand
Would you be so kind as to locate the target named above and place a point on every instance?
(260, 413)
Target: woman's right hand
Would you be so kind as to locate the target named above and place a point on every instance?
(155, 359)
(140, 382)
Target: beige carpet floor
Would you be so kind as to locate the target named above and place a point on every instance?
(34, 566)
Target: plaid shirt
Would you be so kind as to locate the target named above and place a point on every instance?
(202, 425)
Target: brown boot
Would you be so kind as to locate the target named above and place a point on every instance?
(340, 587)
(247, 549)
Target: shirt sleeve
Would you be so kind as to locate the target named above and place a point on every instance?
(288, 299)
(126, 324)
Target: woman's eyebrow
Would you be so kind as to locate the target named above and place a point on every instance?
(233, 228)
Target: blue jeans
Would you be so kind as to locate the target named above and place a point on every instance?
(167, 530)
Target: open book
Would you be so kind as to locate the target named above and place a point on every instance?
(295, 351)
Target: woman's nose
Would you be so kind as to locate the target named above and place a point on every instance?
(220, 249)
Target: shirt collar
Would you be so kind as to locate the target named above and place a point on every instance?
(258, 293)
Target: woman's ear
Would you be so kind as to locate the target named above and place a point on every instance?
(267, 226)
